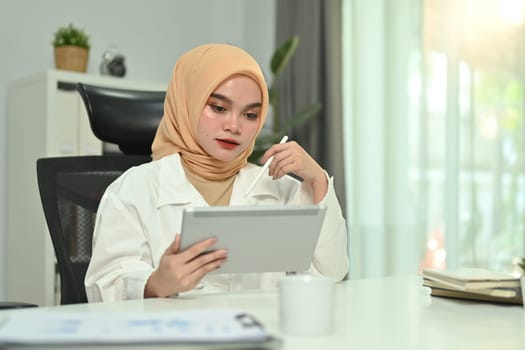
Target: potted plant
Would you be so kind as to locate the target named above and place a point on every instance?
(71, 48)
(278, 63)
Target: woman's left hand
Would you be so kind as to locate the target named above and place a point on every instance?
(290, 157)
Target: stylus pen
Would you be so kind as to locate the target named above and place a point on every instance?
(264, 168)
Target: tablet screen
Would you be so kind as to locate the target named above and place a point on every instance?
(258, 238)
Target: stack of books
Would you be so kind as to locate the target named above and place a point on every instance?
(473, 284)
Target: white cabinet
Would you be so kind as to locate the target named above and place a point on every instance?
(46, 117)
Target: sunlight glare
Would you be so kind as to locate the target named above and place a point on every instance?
(511, 11)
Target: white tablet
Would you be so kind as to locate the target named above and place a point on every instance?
(258, 238)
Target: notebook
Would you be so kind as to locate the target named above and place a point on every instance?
(472, 278)
(459, 294)
(258, 238)
(493, 292)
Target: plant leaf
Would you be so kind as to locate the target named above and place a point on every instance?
(71, 35)
(300, 118)
(279, 61)
(256, 155)
(272, 95)
(262, 143)
(265, 141)
(521, 264)
(283, 54)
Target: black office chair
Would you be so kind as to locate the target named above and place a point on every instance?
(71, 187)
(70, 191)
(128, 118)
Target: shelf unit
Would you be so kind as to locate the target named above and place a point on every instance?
(46, 118)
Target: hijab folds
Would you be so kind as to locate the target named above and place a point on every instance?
(196, 75)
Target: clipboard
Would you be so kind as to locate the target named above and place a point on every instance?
(258, 238)
(204, 328)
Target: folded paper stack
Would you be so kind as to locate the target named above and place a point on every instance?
(474, 284)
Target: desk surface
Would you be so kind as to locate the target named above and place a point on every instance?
(382, 313)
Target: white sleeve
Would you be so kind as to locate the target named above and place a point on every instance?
(121, 259)
(331, 253)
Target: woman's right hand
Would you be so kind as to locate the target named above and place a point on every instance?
(180, 271)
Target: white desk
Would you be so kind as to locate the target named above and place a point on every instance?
(384, 313)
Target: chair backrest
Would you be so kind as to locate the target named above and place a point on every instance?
(70, 191)
(128, 118)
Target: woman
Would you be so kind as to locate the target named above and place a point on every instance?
(215, 107)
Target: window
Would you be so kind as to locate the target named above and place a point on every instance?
(448, 184)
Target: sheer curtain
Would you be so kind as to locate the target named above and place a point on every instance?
(434, 134)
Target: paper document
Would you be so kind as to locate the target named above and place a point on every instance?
(472, 278)
(188, 326)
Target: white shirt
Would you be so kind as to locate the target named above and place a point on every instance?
(141, 212)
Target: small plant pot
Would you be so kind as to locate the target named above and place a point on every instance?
(71, 58)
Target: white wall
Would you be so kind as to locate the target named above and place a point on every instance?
(150, 33)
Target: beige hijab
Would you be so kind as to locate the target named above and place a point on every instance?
(196, 75)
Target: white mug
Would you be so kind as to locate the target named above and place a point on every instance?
(306, 305)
